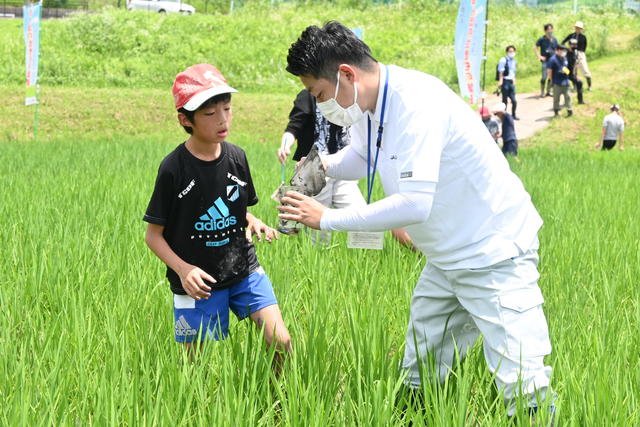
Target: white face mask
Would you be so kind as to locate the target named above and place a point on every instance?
(511, 55)
(339, 115)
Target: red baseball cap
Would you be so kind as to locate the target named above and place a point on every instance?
(198, 83)
(484, 111)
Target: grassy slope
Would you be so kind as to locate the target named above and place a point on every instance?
(124, 49)
(122, 112)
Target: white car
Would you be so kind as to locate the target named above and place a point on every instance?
(161, 6)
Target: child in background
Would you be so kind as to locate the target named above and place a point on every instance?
(198, 223)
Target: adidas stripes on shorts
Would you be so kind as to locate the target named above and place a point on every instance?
(197, 320)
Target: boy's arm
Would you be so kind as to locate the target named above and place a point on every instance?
(604, 129)
(257, 227)
(621, 141)
(192, 277)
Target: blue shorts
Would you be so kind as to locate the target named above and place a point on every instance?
(197, 320)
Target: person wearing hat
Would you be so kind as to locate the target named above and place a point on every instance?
(558, 71)
(581, 49)
(509, 140)
(612, 129)
(198, 223)
(572, 57)
(492, 123)
(454, 193)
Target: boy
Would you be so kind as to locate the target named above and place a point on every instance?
(198, 223)
(492, 123)
(509, 140)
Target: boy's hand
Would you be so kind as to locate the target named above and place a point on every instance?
(193, 282)
(257, 227)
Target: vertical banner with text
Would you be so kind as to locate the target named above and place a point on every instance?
(469, 40)
(31, 15)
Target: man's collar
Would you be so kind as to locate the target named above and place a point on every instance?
(383, 76)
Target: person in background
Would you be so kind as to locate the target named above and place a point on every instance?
(509, 140)
(558, 71)
(309, 127)
(572, 57)
(507, 78)
(612, 128)
(582, 49)
(491, 122)
(544, 49)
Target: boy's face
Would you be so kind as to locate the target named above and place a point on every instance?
(210, 124)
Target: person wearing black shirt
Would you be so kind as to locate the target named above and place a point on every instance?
(581, 50)
(308, 126)
(544, 49)
(509, 140)
(198, 223)
(572, 54)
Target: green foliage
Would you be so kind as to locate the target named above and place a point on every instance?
(140, 49)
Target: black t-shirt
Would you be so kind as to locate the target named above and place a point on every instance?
(508, 128)
(203, 208)
(581, 38)
(547, 46)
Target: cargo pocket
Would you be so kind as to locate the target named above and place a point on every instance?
(525, 324)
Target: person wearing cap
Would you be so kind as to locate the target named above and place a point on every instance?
(199, 225)
(572, 57)
(612, 129)
(509, 140)
(507, 78)
(544, 49)
(558, 71)
(491, 122)
(582, 50)
(308, 127)
(453, 191)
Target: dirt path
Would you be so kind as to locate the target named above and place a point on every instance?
(535, 113)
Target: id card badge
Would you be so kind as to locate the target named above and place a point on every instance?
(365, 240)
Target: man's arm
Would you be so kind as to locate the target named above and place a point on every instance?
(604, 130)
(537, 50)
(621, 141)
(192, 277)
(345, 164)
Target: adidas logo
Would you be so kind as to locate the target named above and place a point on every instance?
(183, 328)
(217, 217)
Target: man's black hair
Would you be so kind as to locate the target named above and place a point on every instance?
(320, 51)
(546, 26)
(223, 97)
(509, 47)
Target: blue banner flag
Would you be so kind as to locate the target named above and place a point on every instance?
(469, 40)
(31, 15)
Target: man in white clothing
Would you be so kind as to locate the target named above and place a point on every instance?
(449, 185)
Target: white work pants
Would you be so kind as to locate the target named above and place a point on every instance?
(450, 308)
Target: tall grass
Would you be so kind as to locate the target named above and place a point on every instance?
(86, 329)
(138, 49)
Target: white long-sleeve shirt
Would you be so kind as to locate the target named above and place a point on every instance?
(445, 179)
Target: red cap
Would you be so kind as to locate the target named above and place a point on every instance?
(198, 83)
(484, 111)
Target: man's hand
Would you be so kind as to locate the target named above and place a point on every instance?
(192, 279)
(257, 227)
(302, 209)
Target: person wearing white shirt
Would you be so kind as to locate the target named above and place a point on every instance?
(449, 185)
(612, 129)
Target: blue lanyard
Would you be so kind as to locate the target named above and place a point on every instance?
(371, 174)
